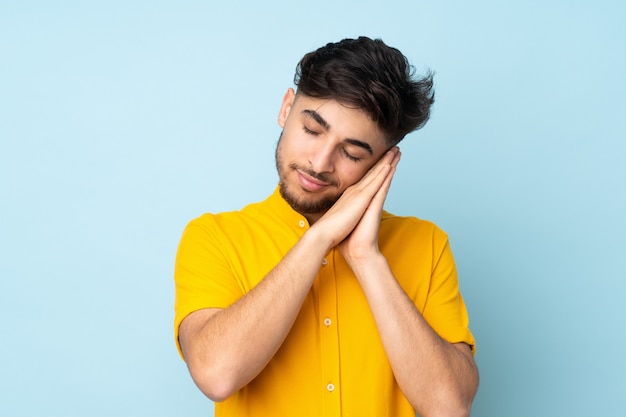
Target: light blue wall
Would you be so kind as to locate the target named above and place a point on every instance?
(120, 121)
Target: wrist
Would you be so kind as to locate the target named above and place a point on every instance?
(318, 239)
(366, 262)
(321, 236)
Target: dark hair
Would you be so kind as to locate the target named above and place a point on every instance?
(371, 76)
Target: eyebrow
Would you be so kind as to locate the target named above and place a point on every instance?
(322, 122)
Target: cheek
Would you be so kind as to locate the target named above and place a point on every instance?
(352, 175)
(293, 145)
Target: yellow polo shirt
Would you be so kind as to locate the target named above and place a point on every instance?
(332, 362)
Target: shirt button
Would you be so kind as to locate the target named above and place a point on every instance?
(327, 322)
(324, 262)
(301, 223)
(330, 387)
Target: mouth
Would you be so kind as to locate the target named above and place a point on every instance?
(308, 183)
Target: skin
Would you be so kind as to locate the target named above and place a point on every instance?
(226, 348)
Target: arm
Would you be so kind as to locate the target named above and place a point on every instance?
(437, 377)
(226, 348)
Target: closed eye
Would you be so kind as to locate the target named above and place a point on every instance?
(309, 131)
(350, 156)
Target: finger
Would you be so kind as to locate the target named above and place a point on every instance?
(396, 157)
(376, 174)
(381, 195)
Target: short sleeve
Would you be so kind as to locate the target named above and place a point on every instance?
(202, 274)
(445, 309)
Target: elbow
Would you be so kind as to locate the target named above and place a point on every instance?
(215, 391)
(456, 406)
(449, 405)
(217, 385)
(460, 406)
(459, 411)
(449, 411)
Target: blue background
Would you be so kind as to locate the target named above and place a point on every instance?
(121, 121)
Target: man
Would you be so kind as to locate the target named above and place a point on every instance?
(316, 302)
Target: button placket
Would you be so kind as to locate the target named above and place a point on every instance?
(329, 334)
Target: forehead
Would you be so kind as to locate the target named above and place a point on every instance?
(341, 120)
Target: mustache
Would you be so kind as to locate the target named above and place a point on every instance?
(317, 175)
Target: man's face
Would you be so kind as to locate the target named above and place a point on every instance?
(324, 148)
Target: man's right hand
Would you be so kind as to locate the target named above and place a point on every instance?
(342, 218)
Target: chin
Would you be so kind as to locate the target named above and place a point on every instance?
(307, 203)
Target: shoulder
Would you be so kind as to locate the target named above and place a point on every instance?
(212, 221)
(406, 236)
(392, 224)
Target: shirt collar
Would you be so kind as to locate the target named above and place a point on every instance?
(283, 210)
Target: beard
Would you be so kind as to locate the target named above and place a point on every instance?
(314, 205)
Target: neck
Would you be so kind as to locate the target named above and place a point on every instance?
(312, 217)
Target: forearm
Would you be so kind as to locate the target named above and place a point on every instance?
(226, 349)
(438, 378)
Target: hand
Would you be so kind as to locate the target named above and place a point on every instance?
(344, 216)
(362, 242)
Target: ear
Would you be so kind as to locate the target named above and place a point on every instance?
(285, 108)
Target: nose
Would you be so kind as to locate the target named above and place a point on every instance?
(321, 157)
